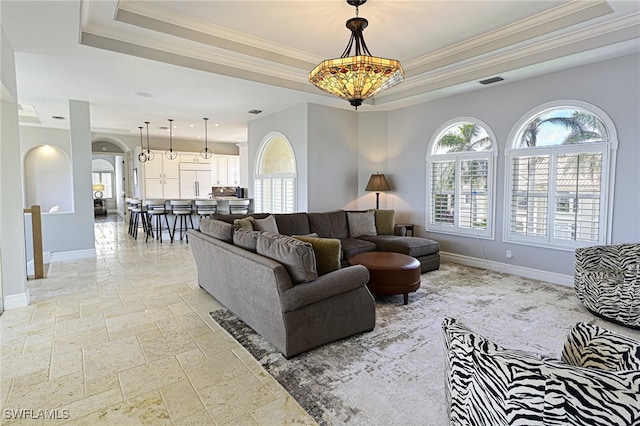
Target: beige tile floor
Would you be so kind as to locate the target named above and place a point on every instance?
(126, 338)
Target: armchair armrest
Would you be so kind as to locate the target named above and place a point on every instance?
(324, 287)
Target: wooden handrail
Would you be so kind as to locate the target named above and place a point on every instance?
(36, 236)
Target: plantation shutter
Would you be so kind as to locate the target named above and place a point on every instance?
(473, 199)
(443, 177)
(529, 195)
(578, 180)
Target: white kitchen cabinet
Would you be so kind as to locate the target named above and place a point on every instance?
(195, 180)
(226, 170)
(161, 177)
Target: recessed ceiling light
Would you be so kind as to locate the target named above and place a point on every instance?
(163, 128)
(57, 117)
(191, 125)
(217, 124)
(255, 111)
(144, 94)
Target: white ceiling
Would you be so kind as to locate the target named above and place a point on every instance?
(220, 59)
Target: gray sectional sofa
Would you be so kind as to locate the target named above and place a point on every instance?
(384, 236)
(297, 292)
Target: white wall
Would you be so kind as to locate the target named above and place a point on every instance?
(13, 278)
(612, 86)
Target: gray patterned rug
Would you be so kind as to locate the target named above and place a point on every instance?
(394, 375)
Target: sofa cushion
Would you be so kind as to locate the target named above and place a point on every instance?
(329, 224)
(246, 239)
(385, 221)
(353, 246)
(229, 218)
(217, 229)
(293, 224)
(361, 224)
(244, 223)
(412, 246)
(267, 224)
(327, 252)
(296, 256)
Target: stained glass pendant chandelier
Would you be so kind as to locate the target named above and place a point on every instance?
(360, 76)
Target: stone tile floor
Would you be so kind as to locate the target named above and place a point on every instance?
(126, 338)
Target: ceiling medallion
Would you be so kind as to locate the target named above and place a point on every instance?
(360, 76)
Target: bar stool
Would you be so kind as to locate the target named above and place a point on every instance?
(181, 210)
(239, 206)
(206, 208)
(156, 209)
(136, 211)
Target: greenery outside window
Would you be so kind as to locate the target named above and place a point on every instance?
(460, 179)
(274, 185)
(558, 169)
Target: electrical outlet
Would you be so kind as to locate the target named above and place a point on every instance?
(509, 254)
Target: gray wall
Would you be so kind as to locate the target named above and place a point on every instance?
(613, 86)
(292, 123)
(13, 264)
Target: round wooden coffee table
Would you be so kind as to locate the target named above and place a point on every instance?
(390, 273)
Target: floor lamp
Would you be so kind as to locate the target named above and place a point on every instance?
(377, 183)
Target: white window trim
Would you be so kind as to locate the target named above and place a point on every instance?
(607, 184)
(490, 155)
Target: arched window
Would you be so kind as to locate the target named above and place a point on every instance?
(274, 185)
(558, 169)
(460, 178)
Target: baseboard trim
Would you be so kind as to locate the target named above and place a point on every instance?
(61, 256)
(46, 258)
(536, 274)
(19, 300)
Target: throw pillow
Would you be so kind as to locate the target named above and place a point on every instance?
(244, 223)
(217, 229)
(296, 256)
(361, 224)
(327, 252)
(245, 239)
(385, 221)
(267, 224)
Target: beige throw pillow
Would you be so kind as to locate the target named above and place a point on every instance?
(327, 252)
(267, 224)
(296, 256)
(361, 224)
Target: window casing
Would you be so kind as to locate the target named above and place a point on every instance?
(557, 183)
(460, 179)
(105, 178)
(274, 185)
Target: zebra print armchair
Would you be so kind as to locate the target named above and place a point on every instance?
(607, 282)
(596, 382)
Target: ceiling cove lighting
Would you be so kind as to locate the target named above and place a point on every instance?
(206, 153)
(360, 76)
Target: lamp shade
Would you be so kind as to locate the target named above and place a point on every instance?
(377, 182)
(98, 187)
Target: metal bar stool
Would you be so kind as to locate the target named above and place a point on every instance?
(136, 211)
(239, 206)
(156, 209)
(181, 210)
(206, 208)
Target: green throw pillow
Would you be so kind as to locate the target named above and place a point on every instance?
(385, 221)
(244, 223)
(327, 252)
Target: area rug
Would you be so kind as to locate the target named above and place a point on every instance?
(394, 375)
